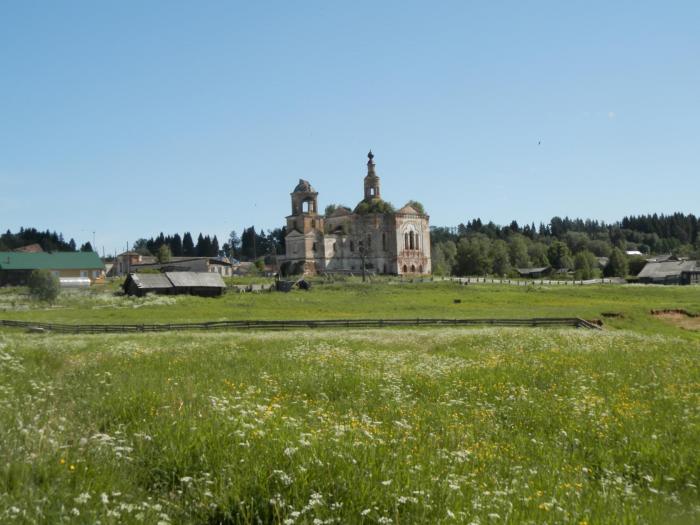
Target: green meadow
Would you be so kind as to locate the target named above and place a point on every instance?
(369, 300)
(478, 425)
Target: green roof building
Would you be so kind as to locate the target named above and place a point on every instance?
(15, 267)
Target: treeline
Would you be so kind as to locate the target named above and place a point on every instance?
(180, 246)
(476, 248)
(48, 240)
(250, 245)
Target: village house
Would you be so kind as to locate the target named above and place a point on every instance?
(15, 267)
(125, 260)
(372, 235)
(220, 265)
(671, 271)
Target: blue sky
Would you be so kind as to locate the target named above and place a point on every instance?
(132, 118)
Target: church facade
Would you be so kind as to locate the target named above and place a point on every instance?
(372, 235)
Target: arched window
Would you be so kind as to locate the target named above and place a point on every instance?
(405, 241)
(420, 269)
(410, 238)
(384, 242)
(416, 241)
(413, 269)
(405, 269)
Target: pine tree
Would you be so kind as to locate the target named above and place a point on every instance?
(187, 245)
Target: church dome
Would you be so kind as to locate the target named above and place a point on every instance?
(304, 186)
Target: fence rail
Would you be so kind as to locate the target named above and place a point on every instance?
(293, 324)
(534, 281)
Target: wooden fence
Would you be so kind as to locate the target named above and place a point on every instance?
(293, 324)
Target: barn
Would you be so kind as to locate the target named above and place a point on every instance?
(205, 284)
(670, 272)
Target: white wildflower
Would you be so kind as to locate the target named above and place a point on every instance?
(83, 498)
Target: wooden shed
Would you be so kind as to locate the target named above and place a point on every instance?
(197, 283)
(670, 272)
(140, 284)
(194, 283)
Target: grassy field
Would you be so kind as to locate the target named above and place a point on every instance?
(480, 426)
(378, 300)
(378, 426)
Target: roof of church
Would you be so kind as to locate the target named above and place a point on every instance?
(340, 211)
(304, 186)
(408, 209)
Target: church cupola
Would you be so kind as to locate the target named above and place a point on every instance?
(304, 199)
(371, 180)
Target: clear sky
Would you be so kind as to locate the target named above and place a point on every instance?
(132, 118)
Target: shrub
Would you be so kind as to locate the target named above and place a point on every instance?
(43, 285)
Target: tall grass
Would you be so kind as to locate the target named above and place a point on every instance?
(475, 426)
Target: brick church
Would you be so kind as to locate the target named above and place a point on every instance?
(373, 234)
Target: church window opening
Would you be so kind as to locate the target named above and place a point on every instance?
(420, 269)
(410, 238)
(372, 192)
(384, 242)
(352, 246)
(405, 269)
(369, 242)
(335, 248)
(413, 269)
(405, 241)
(313, 246)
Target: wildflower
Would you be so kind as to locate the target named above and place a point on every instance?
(82, 498)
(387, 482)
(365, 512)
(75, 512)
(104, 498)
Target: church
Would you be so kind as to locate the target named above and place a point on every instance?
(372, 235)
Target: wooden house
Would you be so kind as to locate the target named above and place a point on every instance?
(670, 272)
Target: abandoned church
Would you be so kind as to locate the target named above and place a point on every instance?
(372, 235)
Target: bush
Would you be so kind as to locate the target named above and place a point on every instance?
(43, 285)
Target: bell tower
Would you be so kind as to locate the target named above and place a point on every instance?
(304, 217)
(371, 180)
